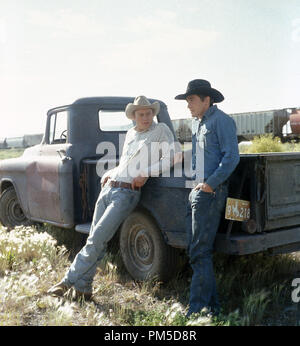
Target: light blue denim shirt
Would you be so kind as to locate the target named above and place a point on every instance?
(216, 134)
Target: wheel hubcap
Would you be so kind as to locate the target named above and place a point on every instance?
(16, 211)
(141, 248)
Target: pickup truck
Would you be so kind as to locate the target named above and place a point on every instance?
(58, 181)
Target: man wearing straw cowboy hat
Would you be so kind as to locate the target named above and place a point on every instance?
(120, 193)
(214, 144)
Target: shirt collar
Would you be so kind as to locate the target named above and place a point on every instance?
(210, 111)
(152, 126)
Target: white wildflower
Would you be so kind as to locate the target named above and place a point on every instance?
(67, 309)
(200, 321)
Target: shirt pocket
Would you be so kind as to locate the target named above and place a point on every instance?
(203, 135)
(207, 137)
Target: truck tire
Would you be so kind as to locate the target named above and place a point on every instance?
(11, 213)
(144, 251)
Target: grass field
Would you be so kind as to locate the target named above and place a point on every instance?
(10, 153)
(254, 289)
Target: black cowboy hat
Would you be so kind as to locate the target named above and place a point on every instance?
(201, 87)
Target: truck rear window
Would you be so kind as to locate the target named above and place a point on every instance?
(114, 121)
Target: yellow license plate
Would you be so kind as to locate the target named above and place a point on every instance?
(237, 209)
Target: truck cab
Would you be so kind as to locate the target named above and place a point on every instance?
(50, 179)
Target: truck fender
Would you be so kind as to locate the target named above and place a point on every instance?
(5, 184)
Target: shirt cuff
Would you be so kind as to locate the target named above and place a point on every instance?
(212, 182)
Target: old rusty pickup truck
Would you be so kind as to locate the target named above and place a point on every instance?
(57, 182)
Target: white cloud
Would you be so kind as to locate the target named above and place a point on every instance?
(142, 45)
(166, 25)
(158, 39)
(160, 33)
(65, 23)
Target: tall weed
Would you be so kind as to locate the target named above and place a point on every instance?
(265, 144)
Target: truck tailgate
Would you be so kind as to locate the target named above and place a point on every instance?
(283, 190)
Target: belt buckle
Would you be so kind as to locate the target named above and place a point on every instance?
(113, 183)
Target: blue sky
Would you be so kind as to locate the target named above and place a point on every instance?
(52, 53)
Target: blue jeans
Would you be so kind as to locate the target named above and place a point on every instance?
(204, 212)
(111, 209)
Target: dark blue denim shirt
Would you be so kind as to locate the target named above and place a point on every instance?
(216, 134)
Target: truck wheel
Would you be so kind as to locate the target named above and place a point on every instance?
(144, 251)
(11, 213)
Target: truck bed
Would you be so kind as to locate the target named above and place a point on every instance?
(270, 181)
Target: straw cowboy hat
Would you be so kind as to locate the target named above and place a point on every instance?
(201, 87)
(141, 102)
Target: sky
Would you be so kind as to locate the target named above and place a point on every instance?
(54, 52)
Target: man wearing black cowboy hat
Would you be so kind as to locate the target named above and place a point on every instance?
(215, 149)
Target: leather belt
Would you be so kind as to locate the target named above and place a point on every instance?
(115, 183)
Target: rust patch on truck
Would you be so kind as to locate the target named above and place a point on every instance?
(43, 189)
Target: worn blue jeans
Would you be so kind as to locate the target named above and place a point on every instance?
(204, 212)
(112, 207)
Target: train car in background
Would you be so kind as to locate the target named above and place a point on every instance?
(25, 141)
(282, 123)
